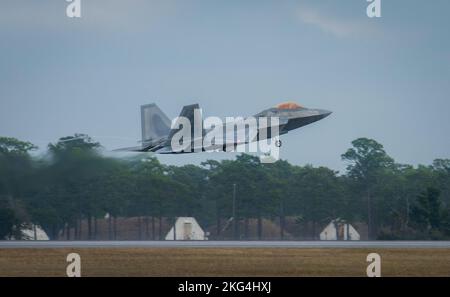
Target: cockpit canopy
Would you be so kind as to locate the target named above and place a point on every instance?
(288, 105)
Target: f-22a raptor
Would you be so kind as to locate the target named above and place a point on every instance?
(158, 132)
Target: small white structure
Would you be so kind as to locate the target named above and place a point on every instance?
(186, 228)
(339, 230)
(31, 232)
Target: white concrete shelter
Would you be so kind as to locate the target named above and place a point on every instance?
(339, 230)
(186, 228)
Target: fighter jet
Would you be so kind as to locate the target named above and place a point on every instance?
(158, 131)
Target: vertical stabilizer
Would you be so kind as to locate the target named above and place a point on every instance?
(155, 124)
(193, 114)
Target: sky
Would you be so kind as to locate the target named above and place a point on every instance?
(384, 78)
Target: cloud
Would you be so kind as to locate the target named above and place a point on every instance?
(338, 27)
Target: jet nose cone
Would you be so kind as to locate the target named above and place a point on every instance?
(324, 113)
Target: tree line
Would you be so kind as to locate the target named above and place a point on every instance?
(74, 182)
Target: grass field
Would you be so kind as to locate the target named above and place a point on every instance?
(224, 262)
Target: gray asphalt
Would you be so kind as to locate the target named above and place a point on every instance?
(225, 244)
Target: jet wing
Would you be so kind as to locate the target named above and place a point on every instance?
(130, 149)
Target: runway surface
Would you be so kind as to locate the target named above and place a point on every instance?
(224, 244)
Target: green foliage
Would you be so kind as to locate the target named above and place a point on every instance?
(368, 164)
(13, 146)
(427, 212)
(366, 159)
(75, 182)
(7, 222)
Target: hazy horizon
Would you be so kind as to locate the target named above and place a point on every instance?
(387, 79)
